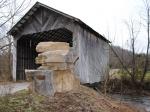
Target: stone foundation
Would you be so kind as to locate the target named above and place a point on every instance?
(55, 73)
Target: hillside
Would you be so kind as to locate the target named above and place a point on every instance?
(124, 55)
(81, 100)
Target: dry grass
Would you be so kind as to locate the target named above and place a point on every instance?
(81, 100)
(22, 101)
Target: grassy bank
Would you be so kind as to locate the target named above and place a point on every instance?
(22, 101)
(81, 100)
(120, 82)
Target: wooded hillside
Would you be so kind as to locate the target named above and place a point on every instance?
(125, 55)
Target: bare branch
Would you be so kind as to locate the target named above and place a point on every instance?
(6, 45)
(124, 66)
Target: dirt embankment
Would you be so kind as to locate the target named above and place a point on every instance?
(83, 100)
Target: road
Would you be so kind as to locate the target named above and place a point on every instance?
(13, 87)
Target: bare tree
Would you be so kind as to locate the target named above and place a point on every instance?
(133, 34)
(147, 5)
(10, 11)
(134, 70)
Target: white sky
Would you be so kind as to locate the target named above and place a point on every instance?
(103, 15)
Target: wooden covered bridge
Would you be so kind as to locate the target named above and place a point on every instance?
(42, 23)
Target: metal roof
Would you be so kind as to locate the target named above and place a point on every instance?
(37, 5)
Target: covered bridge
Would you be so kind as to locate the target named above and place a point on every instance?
(42, 23)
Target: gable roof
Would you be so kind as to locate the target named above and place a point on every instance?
(38, 5)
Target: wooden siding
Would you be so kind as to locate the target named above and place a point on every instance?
(93, 57)
(14, 59)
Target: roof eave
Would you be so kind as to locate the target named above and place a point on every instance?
(37, 5)
(90, 29)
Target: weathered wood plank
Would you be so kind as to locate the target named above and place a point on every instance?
(93, 57)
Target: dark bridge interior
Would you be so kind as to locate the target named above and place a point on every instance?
(26, 48)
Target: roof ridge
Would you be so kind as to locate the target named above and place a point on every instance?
(32, 10)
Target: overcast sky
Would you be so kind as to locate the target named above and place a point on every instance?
(103, 15)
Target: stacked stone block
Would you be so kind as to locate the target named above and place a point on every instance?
(56, 71)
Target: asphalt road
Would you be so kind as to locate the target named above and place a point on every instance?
(13, 87)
